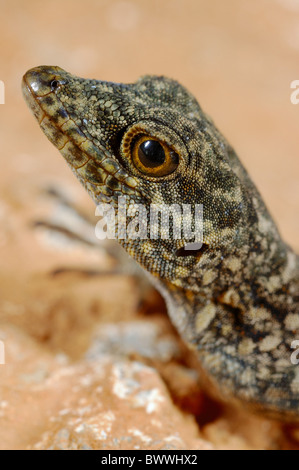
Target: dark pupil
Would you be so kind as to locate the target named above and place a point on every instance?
(151, 153)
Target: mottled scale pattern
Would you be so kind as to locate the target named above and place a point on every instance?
(236, 300)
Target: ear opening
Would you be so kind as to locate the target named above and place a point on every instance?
(192, 249)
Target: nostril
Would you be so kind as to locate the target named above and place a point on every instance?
(54, 85)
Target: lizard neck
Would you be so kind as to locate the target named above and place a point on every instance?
(239, 330)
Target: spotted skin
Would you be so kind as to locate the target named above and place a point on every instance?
(236, 300)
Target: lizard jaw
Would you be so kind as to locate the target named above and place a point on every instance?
(101, 175)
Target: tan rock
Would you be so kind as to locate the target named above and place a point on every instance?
(111, 403)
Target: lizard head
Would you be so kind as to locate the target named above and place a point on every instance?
(150, 142)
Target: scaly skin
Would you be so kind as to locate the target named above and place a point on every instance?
(236, 300)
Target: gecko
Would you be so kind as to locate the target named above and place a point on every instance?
(233, 298)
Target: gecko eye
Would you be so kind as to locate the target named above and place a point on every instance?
(153, 157)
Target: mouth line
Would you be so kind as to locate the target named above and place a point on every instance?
(92, 166)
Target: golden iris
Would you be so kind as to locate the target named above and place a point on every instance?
(153, 157)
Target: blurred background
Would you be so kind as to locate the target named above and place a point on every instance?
(237, 57)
